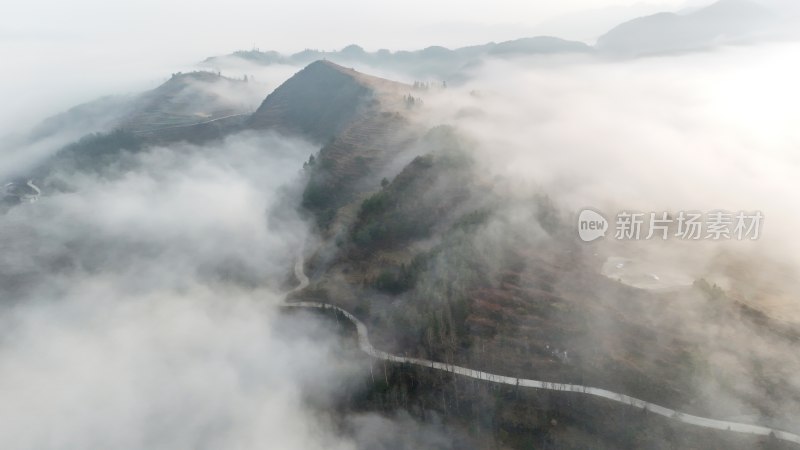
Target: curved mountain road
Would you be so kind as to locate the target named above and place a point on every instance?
(34, 187)
(187, 125)
(366, 346)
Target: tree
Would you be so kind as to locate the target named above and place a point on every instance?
(384, 182)
(310, 162)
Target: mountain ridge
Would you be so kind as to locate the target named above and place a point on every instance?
(432, 61)
(725, 21)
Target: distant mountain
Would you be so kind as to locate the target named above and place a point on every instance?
(431, 61)
(587, 25)
(723, 22)
(184, 99)
(726, 21)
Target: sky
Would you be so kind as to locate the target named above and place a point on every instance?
(64, 53)
(180, 25)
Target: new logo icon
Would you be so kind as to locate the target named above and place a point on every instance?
(591, 225)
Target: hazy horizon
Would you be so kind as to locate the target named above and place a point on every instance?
(65, 53)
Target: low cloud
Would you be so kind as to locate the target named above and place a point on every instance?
(139, 308)
(704, 131)
(711, 130)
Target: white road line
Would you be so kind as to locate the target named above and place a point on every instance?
(189, 124)
(33, 186)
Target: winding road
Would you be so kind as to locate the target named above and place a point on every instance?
(187, 125)
(366, 346)
(35, 188)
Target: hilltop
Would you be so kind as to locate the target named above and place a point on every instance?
(184, 99)
(188, 98)
(323, 99)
